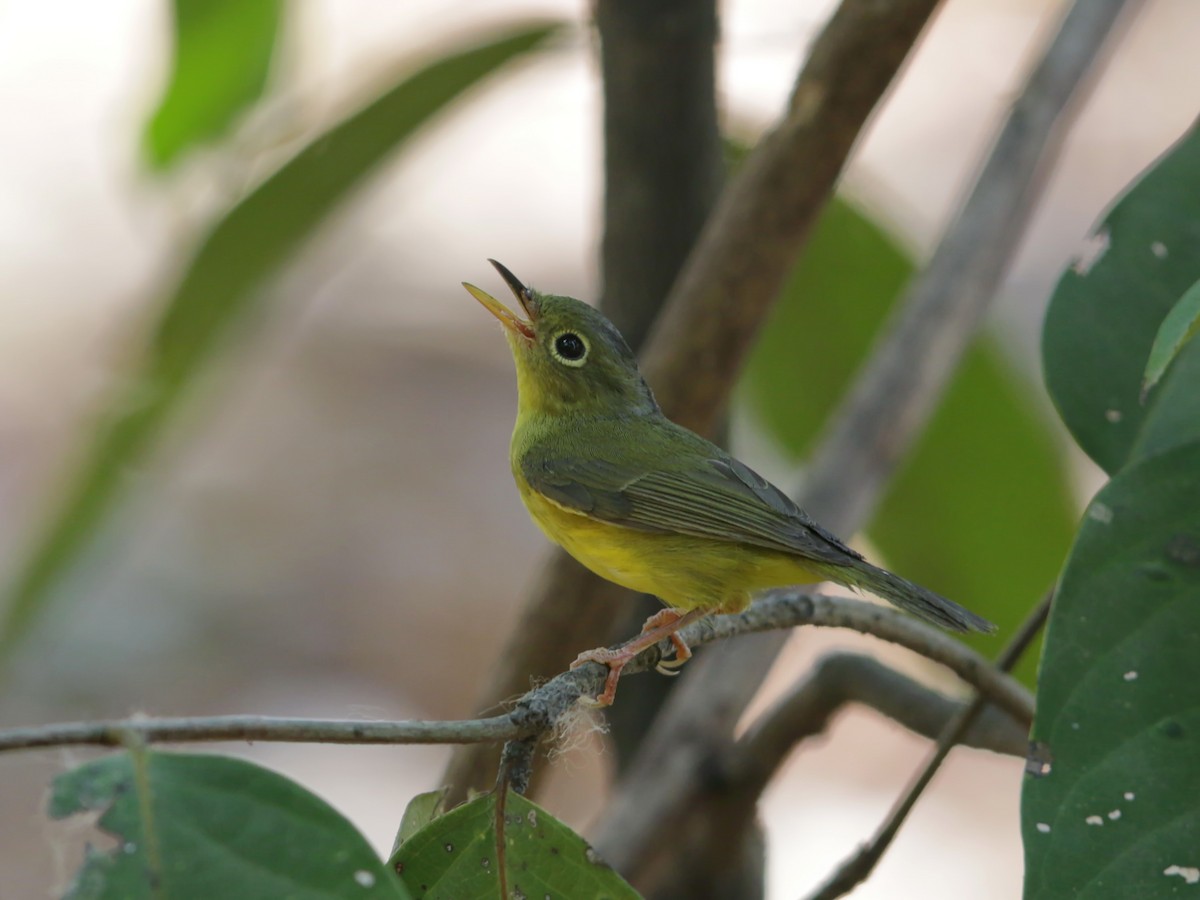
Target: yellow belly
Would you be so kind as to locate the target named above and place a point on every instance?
(685, 572)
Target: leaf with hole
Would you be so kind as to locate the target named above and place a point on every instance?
(1108, 308)
(1112, 808)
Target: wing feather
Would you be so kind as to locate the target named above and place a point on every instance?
(705, 496)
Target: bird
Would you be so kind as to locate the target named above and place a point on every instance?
(649, 504)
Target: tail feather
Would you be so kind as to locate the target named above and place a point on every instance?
(919, 601)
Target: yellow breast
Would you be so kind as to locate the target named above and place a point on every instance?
(608, 550)
(684, 571)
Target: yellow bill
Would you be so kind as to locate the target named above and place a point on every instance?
(507, 317)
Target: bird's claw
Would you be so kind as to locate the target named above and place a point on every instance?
(659, 626)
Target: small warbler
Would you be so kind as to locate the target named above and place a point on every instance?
(649, 504)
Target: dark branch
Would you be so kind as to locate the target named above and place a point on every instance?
(759, 227)
(715, 308)
(663, 164)
(883, 414)
(662, 173)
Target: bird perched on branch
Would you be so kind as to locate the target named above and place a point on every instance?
(649, 504)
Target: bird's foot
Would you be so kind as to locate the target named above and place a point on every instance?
(616, 660)
(669, 618)
(663, 624)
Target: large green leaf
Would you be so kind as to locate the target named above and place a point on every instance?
(191, 826)
(1106, 311)
(980, 511)
(226, 277)
(223, 51)
(455, 856)
(1113, 807)
(830, 311)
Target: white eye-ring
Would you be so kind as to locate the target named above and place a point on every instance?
(570, 348)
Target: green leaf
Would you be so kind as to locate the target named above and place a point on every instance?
(1118, 716)
(193, 826)
(455, 856)
(1179, 327)
(224, 281)
(223, 51)
(829, 313)
(1174, 416)
(421, 810)
(1105, 312)
(981, 510)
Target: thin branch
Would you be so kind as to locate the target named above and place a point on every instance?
(841, 679)
(539, 709)
(269, 729)
(883, 413)
(704, 850)
(855, 870)
(717, 305)
(781, 610)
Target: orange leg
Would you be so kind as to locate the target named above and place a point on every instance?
(682, 651)
(663, 624)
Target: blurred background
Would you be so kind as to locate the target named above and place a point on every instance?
(329, 527)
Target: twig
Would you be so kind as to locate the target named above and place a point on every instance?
(705, 850)
(269, 729)
(539, 709)
(775, 610)
(883, 413)
(841, 679)
(855, 870)
(715, 308)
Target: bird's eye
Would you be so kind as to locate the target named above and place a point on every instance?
(570, 348)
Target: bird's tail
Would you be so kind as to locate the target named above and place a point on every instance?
(915, 599)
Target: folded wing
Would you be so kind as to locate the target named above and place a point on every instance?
(711, 496)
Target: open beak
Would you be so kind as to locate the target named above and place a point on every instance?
(507, 317)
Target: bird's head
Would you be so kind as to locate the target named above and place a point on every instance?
(569, 357)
